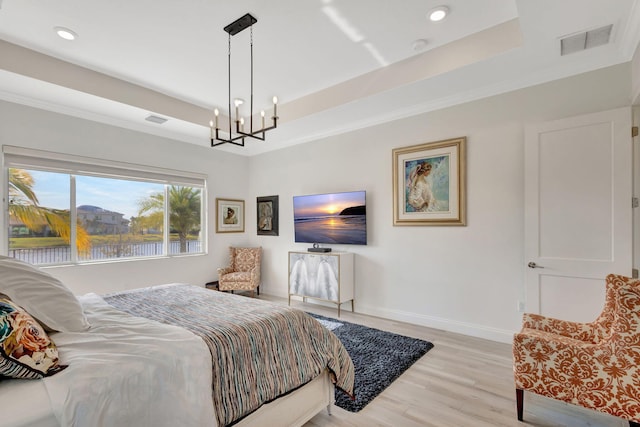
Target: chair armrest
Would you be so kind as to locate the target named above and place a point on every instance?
(224, 270)
(535, 347)
(580, 331)
(554, 359)
(549, 338)
(255, 273)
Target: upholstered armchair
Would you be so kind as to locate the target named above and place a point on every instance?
(243, 271)
(595, 365)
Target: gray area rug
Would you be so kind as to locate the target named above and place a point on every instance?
(379, 358)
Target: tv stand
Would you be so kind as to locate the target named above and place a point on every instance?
(326, 277)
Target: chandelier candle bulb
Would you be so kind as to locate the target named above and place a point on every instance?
(275, 106)
(262, 115)
(216, 113)
(211, 127)
(238, 102)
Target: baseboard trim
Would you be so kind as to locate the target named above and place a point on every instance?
(464, 328)
(470, 329)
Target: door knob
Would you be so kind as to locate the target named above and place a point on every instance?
(534, 265)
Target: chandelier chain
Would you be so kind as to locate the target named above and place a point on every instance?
(229, 85)
(251, 100)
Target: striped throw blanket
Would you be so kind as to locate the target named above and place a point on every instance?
(259, 350)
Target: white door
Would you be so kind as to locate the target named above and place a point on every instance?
(578, 214)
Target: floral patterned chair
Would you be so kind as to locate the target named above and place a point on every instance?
(595, 365)
(243, 271)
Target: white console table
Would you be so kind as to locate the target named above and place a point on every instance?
(326, 276)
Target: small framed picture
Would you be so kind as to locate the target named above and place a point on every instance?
(267, 215)
(229, 216)
(429, 183)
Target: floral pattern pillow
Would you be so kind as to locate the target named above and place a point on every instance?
(26, 351)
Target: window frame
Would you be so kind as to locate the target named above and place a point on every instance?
(73, 165)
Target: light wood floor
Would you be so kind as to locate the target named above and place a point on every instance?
(462, 381)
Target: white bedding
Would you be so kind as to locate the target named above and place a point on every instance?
(123, 371)
(25, 403)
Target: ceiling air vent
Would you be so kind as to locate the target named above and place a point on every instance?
(586, 40)
(156, 119)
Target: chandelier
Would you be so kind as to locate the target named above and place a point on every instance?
(238, 134)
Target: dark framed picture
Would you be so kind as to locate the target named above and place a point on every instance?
(267, 215)
(229, 216)
(429, 183)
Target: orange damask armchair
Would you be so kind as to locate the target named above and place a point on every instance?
(243, 271)
(595, 365)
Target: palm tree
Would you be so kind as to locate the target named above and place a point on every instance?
(24, 207)
(184, 211)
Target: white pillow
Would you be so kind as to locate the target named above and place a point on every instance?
(41, 295)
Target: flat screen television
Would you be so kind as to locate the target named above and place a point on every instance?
(334, 218)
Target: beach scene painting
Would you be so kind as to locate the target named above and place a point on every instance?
(337, 218)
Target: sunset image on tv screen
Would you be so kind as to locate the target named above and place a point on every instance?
(338, 218)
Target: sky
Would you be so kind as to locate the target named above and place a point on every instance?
(122, 196)
(326, 204)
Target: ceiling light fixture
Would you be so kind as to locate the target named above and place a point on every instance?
(237, 137)
(65, 33)
(438, 13)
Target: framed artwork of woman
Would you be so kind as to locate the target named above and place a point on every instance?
(229, 216)
(429, 183)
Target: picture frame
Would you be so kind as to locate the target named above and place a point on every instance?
(267, 215)
(429, 183)
(229, 215)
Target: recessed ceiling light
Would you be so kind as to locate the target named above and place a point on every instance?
(65, 33)
(438, 13)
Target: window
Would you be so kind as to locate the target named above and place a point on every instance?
(121, 211)
(39, 218)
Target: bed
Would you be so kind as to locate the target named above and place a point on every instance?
(173, 354)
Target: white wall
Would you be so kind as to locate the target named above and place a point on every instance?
(34, 128)
(635, 76)
(465, 279)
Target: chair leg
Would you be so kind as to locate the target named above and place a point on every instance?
(520, 403)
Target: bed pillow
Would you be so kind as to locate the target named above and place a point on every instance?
(41, 295)
(26, 351)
